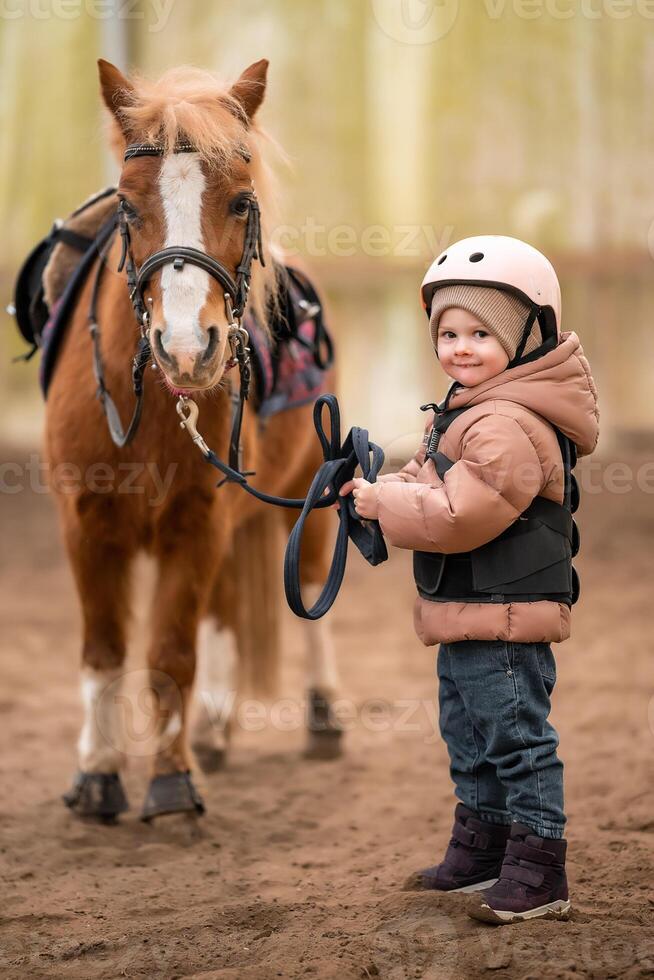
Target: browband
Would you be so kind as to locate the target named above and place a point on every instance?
(157, 150)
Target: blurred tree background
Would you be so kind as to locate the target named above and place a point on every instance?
(409, 124)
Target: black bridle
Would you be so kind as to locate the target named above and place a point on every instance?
(235, 292)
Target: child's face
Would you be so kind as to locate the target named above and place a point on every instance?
(466, 350)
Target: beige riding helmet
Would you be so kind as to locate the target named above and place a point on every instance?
(504, 263)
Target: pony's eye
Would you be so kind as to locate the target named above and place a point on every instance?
(240, 205)
(128, 210)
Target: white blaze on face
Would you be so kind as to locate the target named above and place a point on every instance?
(184, 293)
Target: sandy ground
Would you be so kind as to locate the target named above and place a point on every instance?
(297, 870)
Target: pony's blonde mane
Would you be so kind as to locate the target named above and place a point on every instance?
(193, 104)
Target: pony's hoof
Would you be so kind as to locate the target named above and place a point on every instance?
(210, 759)
(323, 745)
(97, 794)
(172, 793)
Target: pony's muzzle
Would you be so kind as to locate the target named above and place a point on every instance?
(195, 368)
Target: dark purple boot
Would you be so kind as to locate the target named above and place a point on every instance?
(532, 882)
(473, 858)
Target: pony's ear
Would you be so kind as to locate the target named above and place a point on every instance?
(250, 88)
(117, 91)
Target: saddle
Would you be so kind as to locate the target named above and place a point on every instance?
(289, 359)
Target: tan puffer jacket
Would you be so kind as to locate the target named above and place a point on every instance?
(505, 453)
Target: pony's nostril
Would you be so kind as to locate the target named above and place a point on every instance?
(159, 348)
(214, 338)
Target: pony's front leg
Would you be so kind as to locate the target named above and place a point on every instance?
(101, 564)
(187, 556)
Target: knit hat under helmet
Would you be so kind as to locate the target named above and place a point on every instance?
(502, 313)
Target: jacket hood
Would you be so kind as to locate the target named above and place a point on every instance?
(557, 386)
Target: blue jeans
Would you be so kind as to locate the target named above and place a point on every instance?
(494, 701)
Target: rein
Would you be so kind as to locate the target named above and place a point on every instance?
(340, 460)
(340, 463)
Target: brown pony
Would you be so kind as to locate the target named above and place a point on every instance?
(191, 199)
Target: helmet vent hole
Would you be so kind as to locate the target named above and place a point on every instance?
(442, 259)
(476, 256)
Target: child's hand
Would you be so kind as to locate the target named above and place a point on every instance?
(365, 497)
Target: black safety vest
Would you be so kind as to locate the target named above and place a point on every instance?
(531, 560)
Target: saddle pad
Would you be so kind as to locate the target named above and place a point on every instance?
(286, 371)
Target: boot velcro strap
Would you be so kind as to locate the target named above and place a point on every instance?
(525, 876)
(523, 852)
(470, 838)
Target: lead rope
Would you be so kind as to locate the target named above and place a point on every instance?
(340, 463)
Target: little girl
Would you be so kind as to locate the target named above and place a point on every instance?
(486, 506)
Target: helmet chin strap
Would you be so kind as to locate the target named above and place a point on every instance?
(548, 337)
(534, 314)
